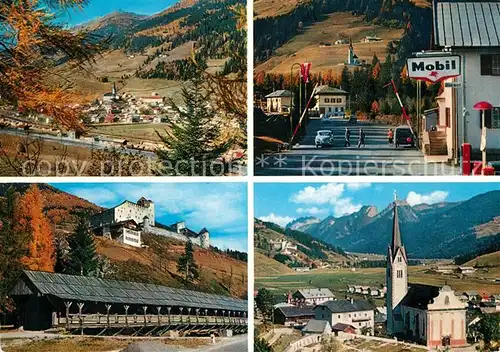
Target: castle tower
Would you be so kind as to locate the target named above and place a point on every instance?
(204, 238)
(396, 275)
(148, 210)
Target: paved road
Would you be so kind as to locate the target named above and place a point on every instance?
(376, 158)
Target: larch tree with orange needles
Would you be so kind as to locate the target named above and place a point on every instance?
(40, 253)
(31, 44)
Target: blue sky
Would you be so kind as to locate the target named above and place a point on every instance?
(283, 202)
(99, 8)
(220, 207)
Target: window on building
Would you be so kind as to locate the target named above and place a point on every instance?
(495, 118)
(490, 65)
(447, 115)
(349, 315)
(327, 100)
(339, 100)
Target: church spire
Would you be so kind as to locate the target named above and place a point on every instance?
(396, 233)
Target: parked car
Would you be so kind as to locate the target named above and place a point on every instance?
(403, 136)
(324, 138)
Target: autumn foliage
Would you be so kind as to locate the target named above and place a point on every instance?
(30, 219)
(31, 43)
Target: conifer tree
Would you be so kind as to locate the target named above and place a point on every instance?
(83, 255)
(345, 79)
(12, 248)
(32, 222)
(194, 143)
(187, 265)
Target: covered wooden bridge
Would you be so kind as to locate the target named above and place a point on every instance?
(101, 306)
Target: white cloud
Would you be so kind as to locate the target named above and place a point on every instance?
(99, 196)
(330, 196)
(324, 194)
(312, 211)
(222, 207)
(280, 220)
(414, 198)
(355, 186)
(344, 207)
(229, 243)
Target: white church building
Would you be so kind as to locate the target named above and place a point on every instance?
(127, 221)
(429, 315)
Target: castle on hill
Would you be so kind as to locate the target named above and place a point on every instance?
(127, 221)
(429, 315)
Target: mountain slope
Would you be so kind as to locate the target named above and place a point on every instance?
(301, 249)
(443, 230)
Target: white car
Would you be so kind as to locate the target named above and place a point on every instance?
(324, 138)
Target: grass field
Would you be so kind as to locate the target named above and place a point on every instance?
(132, 132)
(268, 266)
(338, 279)
(273, 8)
(305, 46)
(90, 345)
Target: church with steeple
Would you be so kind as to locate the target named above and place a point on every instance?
(352, 58)
(429, 315)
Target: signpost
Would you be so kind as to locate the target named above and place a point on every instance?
(433, 68)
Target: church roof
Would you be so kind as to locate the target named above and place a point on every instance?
(420, 296)
(346, 306)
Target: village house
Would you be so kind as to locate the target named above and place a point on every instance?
(359, 314)
(466, 270)
(293, 316)
(312, 296)
(430, 315)
(475, 38)
(371, 39)
(329, 101)
(344, 328)
(314, 326)
(279, 101)
(154, 99)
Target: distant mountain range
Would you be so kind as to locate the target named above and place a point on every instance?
(443, 230)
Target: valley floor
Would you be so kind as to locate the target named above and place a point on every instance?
(338, 280)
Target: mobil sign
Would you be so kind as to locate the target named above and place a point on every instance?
(433, 68)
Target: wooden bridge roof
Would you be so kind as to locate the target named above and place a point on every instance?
(92, 289)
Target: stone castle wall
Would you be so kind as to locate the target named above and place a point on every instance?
(200, 241)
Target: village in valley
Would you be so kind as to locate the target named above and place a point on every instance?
(124, 91)
(369, 91)
(313, 296)
(119, 275)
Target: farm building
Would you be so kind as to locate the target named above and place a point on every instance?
(293, 316)
(313, 296)
(47, 300)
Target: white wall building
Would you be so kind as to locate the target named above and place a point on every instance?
(313, 296)
(472, 31)
(356, 313)
(115, 223)
(330, 101)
